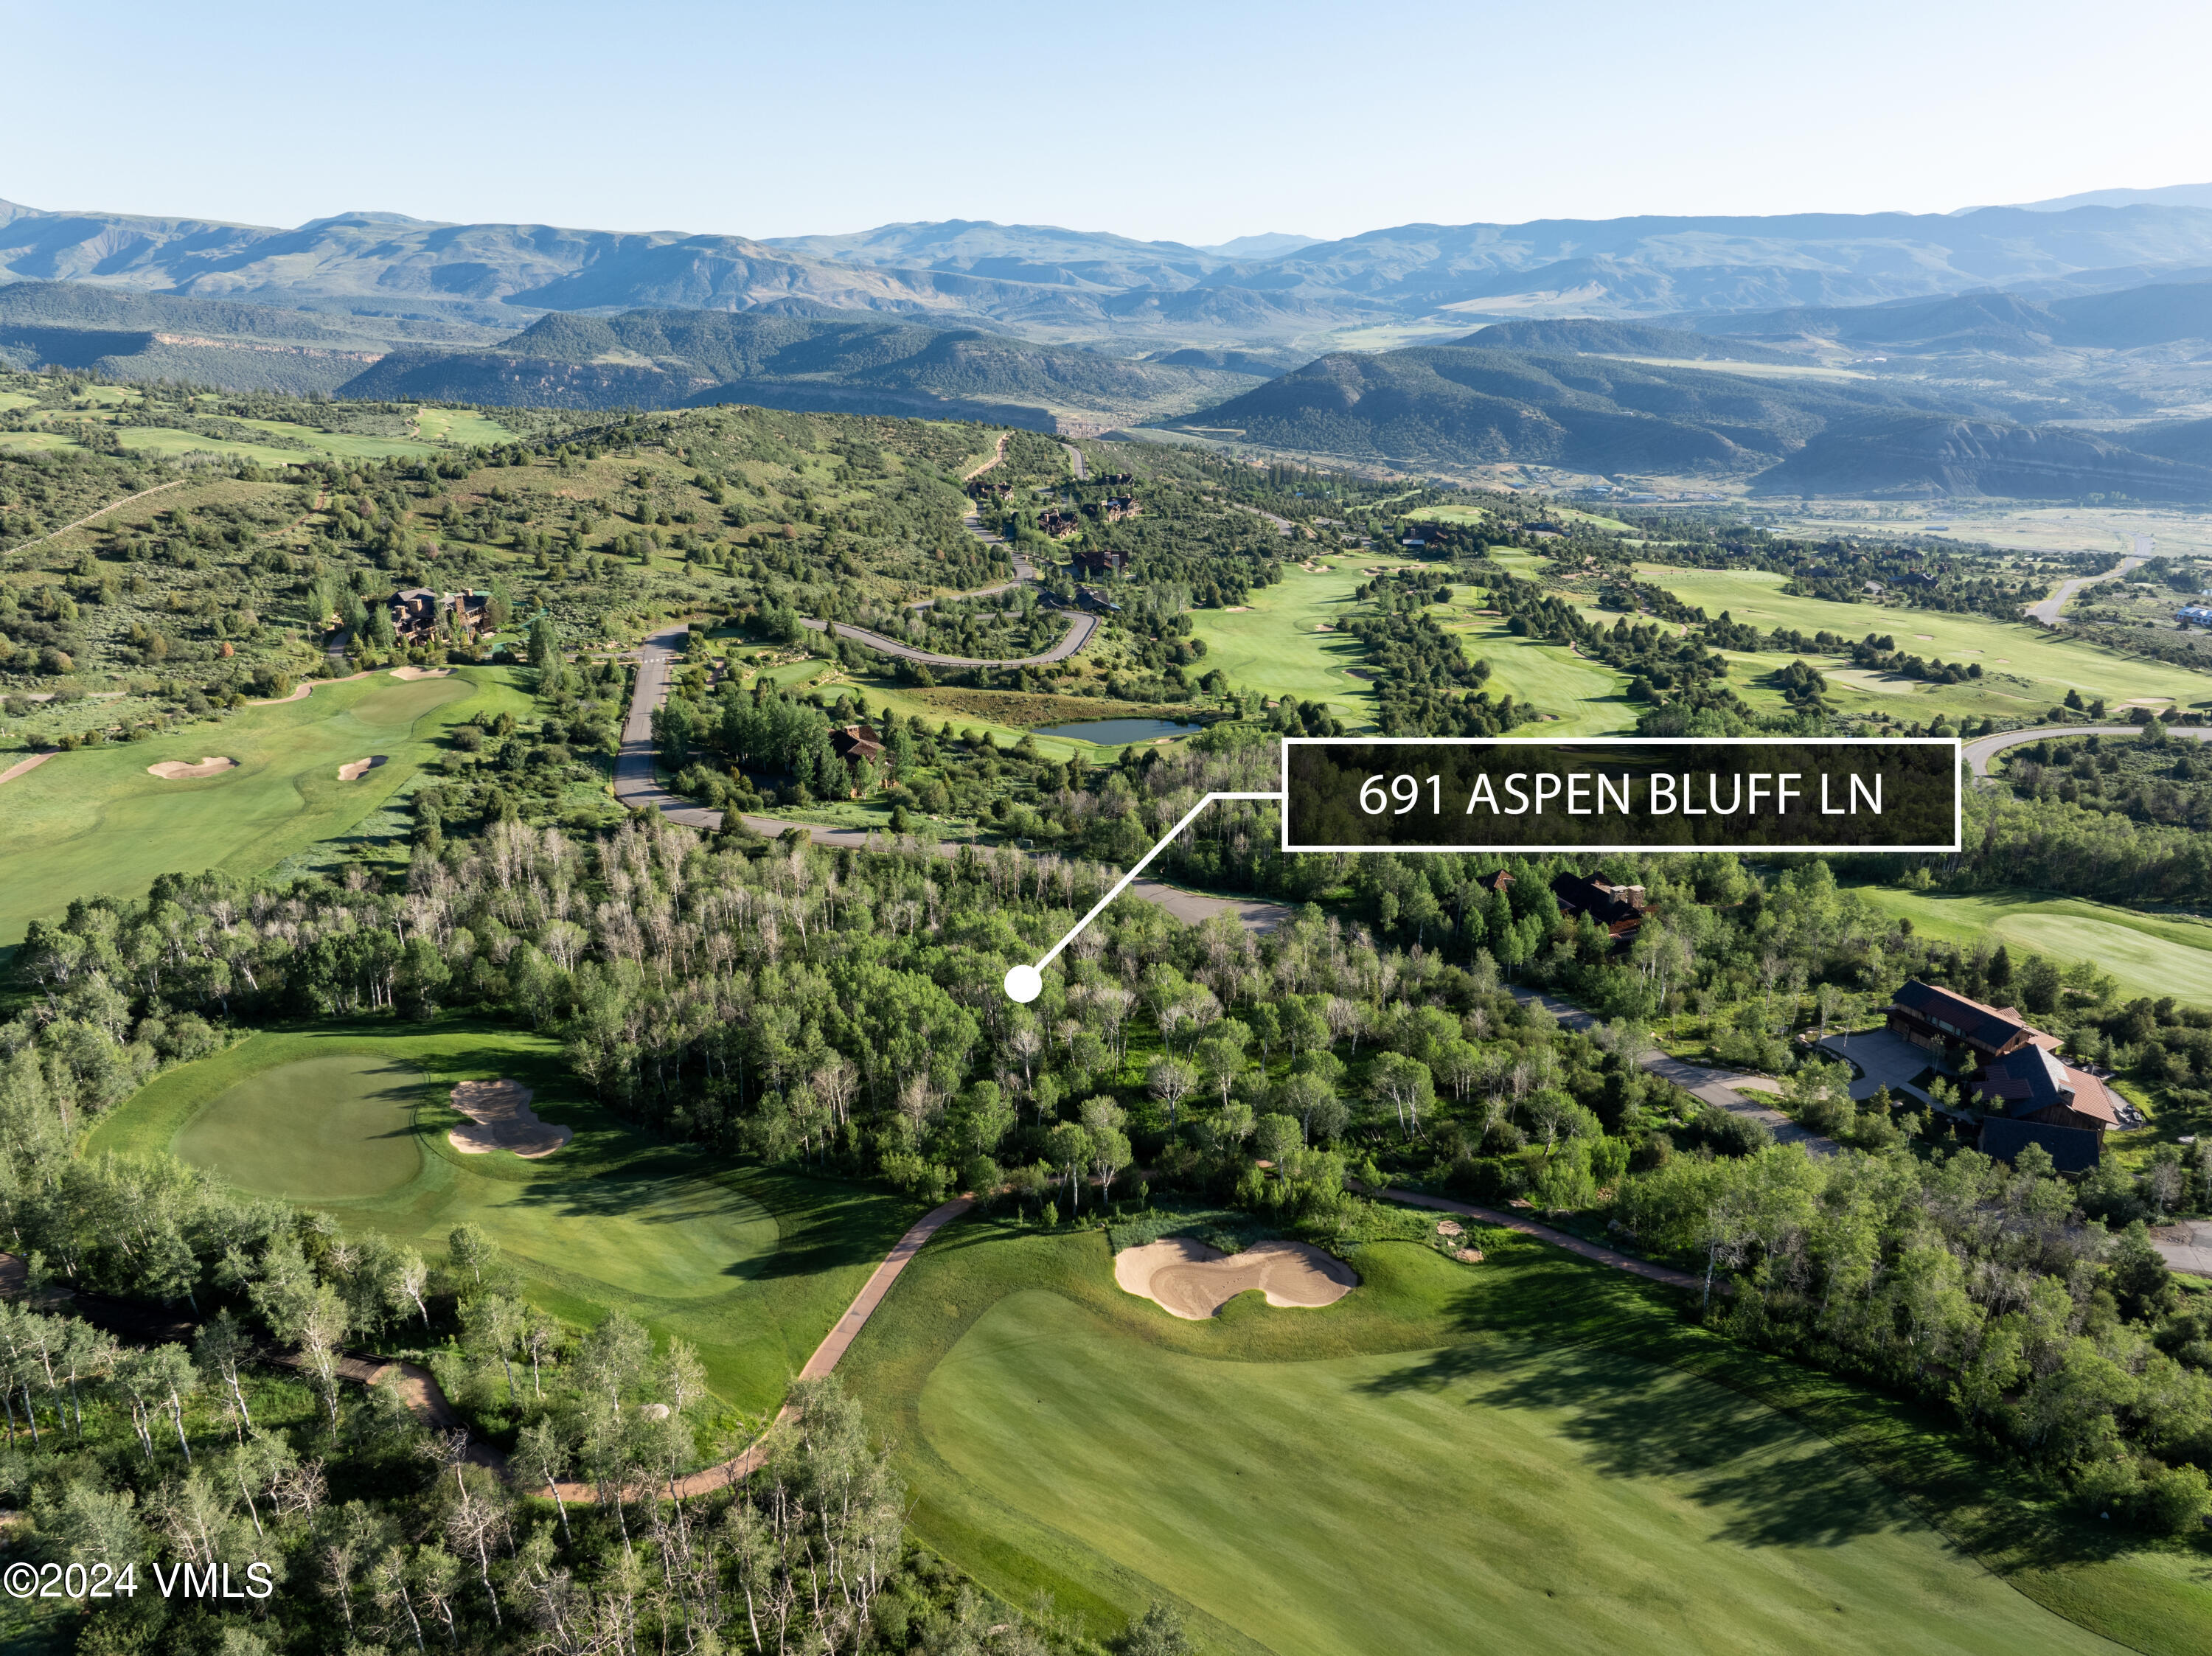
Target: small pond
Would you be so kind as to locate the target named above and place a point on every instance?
(1116, 732)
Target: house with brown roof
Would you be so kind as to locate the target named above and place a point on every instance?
(855, 742)
(1618, 908)
(1933, 1018)
(1060, 525)
(2033, 1083)
(1496, 880)
(419, 613)
(1095, 564)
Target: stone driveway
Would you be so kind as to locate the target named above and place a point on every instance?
(1883, 1059)
(2187, 1246)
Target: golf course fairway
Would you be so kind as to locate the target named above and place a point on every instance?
(94, 822)
(1535, 1454)
(751, 1266)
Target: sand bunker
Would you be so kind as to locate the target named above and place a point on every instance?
(359, 768)
(1188, 1279)
(175, 770)
(504, 1122)
(422, 672)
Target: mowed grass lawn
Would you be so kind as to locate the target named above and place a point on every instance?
(345, 445)
(751, 1266)
(461, 426)
(95, 822)
(1586, 698)
(1275, 646)
(2150, 955)
(1534, 1455)
(2051, 665)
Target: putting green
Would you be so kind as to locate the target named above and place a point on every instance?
(751, 1266)
(1554, 1500)
(324, 1129)
(94, 821)
(2146, 954)
(1275, 646)
(1537, 1454)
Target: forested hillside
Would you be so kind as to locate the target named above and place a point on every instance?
(849, 363)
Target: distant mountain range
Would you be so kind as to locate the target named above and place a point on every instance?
(1609, 398)
(1051, 282)
(851, 364)
(1829, 353)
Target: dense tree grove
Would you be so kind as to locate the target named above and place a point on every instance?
(839, 1011)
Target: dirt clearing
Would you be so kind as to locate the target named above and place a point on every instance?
(1186, 1278)
(504, 1122)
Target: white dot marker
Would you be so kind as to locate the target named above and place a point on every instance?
(1023, 984)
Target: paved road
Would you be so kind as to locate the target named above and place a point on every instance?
(2047, 611)
(635, 787)
(2186, 1246)
(1081, 629)
(1711, 1086)
(1983, 749)
(1283, 525)
(1075, 462)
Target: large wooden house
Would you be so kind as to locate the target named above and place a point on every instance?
(419, 613)
(1933, 1019)
(2030, 1084)
(1618, 908)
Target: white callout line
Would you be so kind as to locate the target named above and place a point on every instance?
(1025, 983)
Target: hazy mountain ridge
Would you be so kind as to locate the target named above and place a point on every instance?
(124, 334)
(1463, 404)
(864, 364)
(1471, 404)
(1046, 277)
(1933, 454)
(2011, 324)
(1597, 338)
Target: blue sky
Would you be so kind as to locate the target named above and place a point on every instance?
(1189, 121)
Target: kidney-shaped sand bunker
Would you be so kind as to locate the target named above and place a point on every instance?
(1187, 1278)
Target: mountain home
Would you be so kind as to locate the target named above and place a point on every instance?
(2027, 1093)
(417, 613)
(1618, 908)
(1933, 1019)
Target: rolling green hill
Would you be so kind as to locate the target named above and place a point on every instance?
(1456, 404)
(125, 334)
(1467, 406)
(846, 363)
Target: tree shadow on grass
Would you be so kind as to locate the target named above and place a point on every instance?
(1773, 1475)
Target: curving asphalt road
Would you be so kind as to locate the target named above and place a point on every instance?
(2047, 611)
(1081, 629)
(1983, 749)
